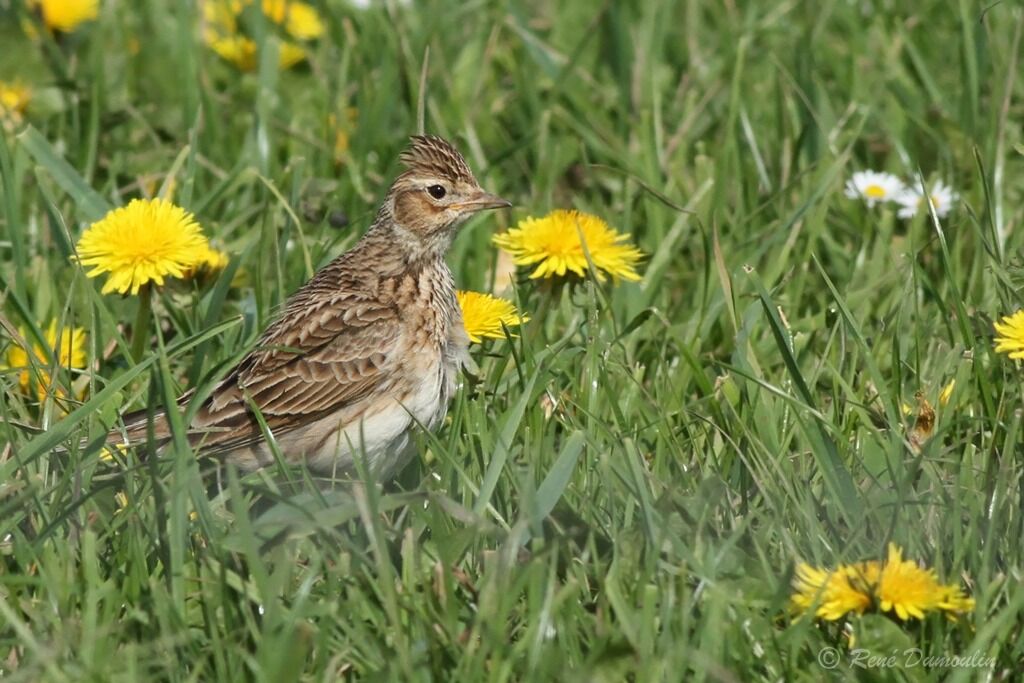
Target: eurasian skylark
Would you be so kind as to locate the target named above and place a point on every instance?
(365, 351)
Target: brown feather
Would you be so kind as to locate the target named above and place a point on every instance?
(431, 155)
(366, 333)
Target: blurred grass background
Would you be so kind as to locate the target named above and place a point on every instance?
(622, 490)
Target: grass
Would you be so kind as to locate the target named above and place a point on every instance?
(622, 491)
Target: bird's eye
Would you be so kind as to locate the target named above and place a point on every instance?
(437, 191)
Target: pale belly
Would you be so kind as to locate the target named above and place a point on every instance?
(379, 431)
(384, 436)
(378, 428)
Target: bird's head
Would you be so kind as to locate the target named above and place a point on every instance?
(436, 193)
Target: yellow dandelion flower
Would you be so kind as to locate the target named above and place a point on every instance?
(241, 52)
(864, 576)
(289, 54)
(554, 244)
(833, 593)
(906, 588)
(1010, 335)
(483, 315)
(143, 242)
(220, 16)
(300, 20)
(214, 259)
(66, 15)
(222, 34)
(211, 261)
(67, 345)
(896, 585)
(14, 97)
(953, 601)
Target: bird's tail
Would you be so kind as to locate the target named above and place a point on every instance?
(139, 428)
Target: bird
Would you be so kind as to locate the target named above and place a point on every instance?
(363, 354)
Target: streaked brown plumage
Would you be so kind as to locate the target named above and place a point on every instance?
(365, 350)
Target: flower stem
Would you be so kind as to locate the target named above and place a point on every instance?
(143, 319)
(548, 293)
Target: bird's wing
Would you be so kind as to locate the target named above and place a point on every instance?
(317, 359)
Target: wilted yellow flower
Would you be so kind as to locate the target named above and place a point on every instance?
(897, 585)
(14, 97)
(143, 242)
(483, 315)
(924, 422)
(224, 36)
(947, 392)
(554, 244)
(925, 415)
(1010, 335)
(67, 346)
(65, 15)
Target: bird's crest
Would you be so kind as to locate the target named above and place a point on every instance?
(429, 154)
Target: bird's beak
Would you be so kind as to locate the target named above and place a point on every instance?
(485, 200)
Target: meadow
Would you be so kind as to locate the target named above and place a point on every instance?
(651, 480)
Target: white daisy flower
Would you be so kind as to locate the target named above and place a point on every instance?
(874, 187)
(911, 200)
